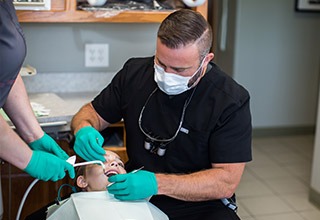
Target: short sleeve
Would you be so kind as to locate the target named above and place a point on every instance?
(230, 141)
(108, 103)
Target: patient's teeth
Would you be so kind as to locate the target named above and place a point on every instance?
(111, 173)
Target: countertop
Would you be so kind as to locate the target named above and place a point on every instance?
(63, 106)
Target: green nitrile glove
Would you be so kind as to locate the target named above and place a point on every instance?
(133, 186)
(47, 144)
(46, 166)
(88, 144)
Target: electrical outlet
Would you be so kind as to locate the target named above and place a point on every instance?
(97, 55)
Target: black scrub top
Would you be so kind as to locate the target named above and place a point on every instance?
(12, 48)
(216, 127)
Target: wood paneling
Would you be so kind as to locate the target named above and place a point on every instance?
(58, 5)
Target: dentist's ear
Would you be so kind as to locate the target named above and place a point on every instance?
(81, 182)
(208, 58)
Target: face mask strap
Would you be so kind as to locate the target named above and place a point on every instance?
(196, 76)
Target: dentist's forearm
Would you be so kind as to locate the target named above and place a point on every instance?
(18, 108)
(214, 183)
(87, 116)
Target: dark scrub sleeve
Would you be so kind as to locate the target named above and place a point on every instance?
(108, 103)
(12, 48)
(231, 139)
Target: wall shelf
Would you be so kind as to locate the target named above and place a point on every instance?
(66, 11)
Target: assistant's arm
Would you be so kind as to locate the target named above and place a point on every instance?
(218, 182)
(18, 108)
(38, 164)
(12, 148)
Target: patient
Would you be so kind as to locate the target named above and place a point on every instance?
(94, 202)
(92, 177)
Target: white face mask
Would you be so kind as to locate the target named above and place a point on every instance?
(171, 83)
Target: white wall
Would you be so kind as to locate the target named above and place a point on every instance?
(277, 60)
(59, 47)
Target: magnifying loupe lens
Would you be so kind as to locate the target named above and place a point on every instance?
(161, 152)
(147, 145)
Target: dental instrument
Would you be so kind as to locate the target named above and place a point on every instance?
(130, 172)
(73, 158)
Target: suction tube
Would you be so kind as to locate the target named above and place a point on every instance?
(24, 198)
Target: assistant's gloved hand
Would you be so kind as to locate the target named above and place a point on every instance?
(133, 186)
(46, 166)
(47, 144)
(88, 144)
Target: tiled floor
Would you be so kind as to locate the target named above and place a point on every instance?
(275, 185)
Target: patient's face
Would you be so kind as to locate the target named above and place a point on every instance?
(97, 179)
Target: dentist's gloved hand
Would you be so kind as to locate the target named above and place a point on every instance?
(46, 166)
(133, 186)
(47, 144)
(88, 144)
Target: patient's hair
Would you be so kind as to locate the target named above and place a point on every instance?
(82, 171)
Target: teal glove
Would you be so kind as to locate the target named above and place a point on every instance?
(88, 144)
(133, 186)
(47, 144)
(46, 166)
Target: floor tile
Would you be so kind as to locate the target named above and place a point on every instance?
(253, 188)
(265, 205)
(263, 143)
(260, 159)
(247, 175)
(287, 185)
(247, 218)
(276, 147)
(275, 185)
(307, 140)
(310, 215)
(242, 212)
(288, 158)
(284, 216)
(302, 171)
(299, 169)
(269, 172)
(305, 152)
(299, 202)
(302, 145)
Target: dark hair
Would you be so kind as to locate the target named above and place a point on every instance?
(183, 27)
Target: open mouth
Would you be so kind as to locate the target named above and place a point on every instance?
(110, 173)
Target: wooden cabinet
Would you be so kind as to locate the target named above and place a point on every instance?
(121, 151)
(66, 11)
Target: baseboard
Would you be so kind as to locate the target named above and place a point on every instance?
(314, 197)
(282, 131)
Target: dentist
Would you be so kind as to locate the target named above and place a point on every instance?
(187, 122)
